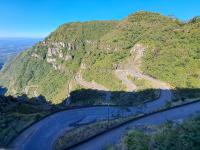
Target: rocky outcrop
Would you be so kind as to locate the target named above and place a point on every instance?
(68, 57)
(138, 49)
(57, 51)
(60, 45)
(51, 60)
(36, 56)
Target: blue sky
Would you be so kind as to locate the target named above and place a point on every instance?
(37, 18)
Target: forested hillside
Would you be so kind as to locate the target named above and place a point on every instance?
(164, 47)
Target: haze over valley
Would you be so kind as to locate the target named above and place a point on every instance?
(10, 47)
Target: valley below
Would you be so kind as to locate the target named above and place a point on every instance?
(10, 47)
(98, 82)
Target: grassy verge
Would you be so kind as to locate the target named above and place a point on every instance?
(15, 116)
(162, 137)
(12, 124)
(85, 132)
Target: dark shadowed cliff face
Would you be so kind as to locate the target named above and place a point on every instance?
(162, 47)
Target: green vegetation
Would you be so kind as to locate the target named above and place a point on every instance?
(88, 97)
(160, 137)
(80, 32)
(137, 98)
(84, 132)
(142, 86)
(140, 83)
(27, 71)
(101, 68)
(176, 59)
(16, 115)
(172, 54)
(31, 68)
(184, 136)
(186, 94)
(81, 133)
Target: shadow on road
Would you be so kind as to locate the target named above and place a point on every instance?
(18, 113)
(95, 97)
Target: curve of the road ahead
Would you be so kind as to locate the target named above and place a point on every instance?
(93, 85)
(114, 136)
(43, 134)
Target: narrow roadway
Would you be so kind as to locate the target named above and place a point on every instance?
(114, 136)
(43, 134)
(50, 128)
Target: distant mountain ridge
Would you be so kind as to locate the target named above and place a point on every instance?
(169, 51)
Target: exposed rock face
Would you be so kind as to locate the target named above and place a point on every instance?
(51, 60)
(60, 55)
(138, 50)
(36, 56)
(56, 51)
(68, 57)
(88, 42)
(83, 66)
(68, 46)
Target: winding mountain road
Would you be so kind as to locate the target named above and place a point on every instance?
(165, 92)
(93, 85)
(43, 134)
(114, 136)
(122, 75)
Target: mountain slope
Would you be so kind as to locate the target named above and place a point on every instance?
(48, 67)
(167, 48)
